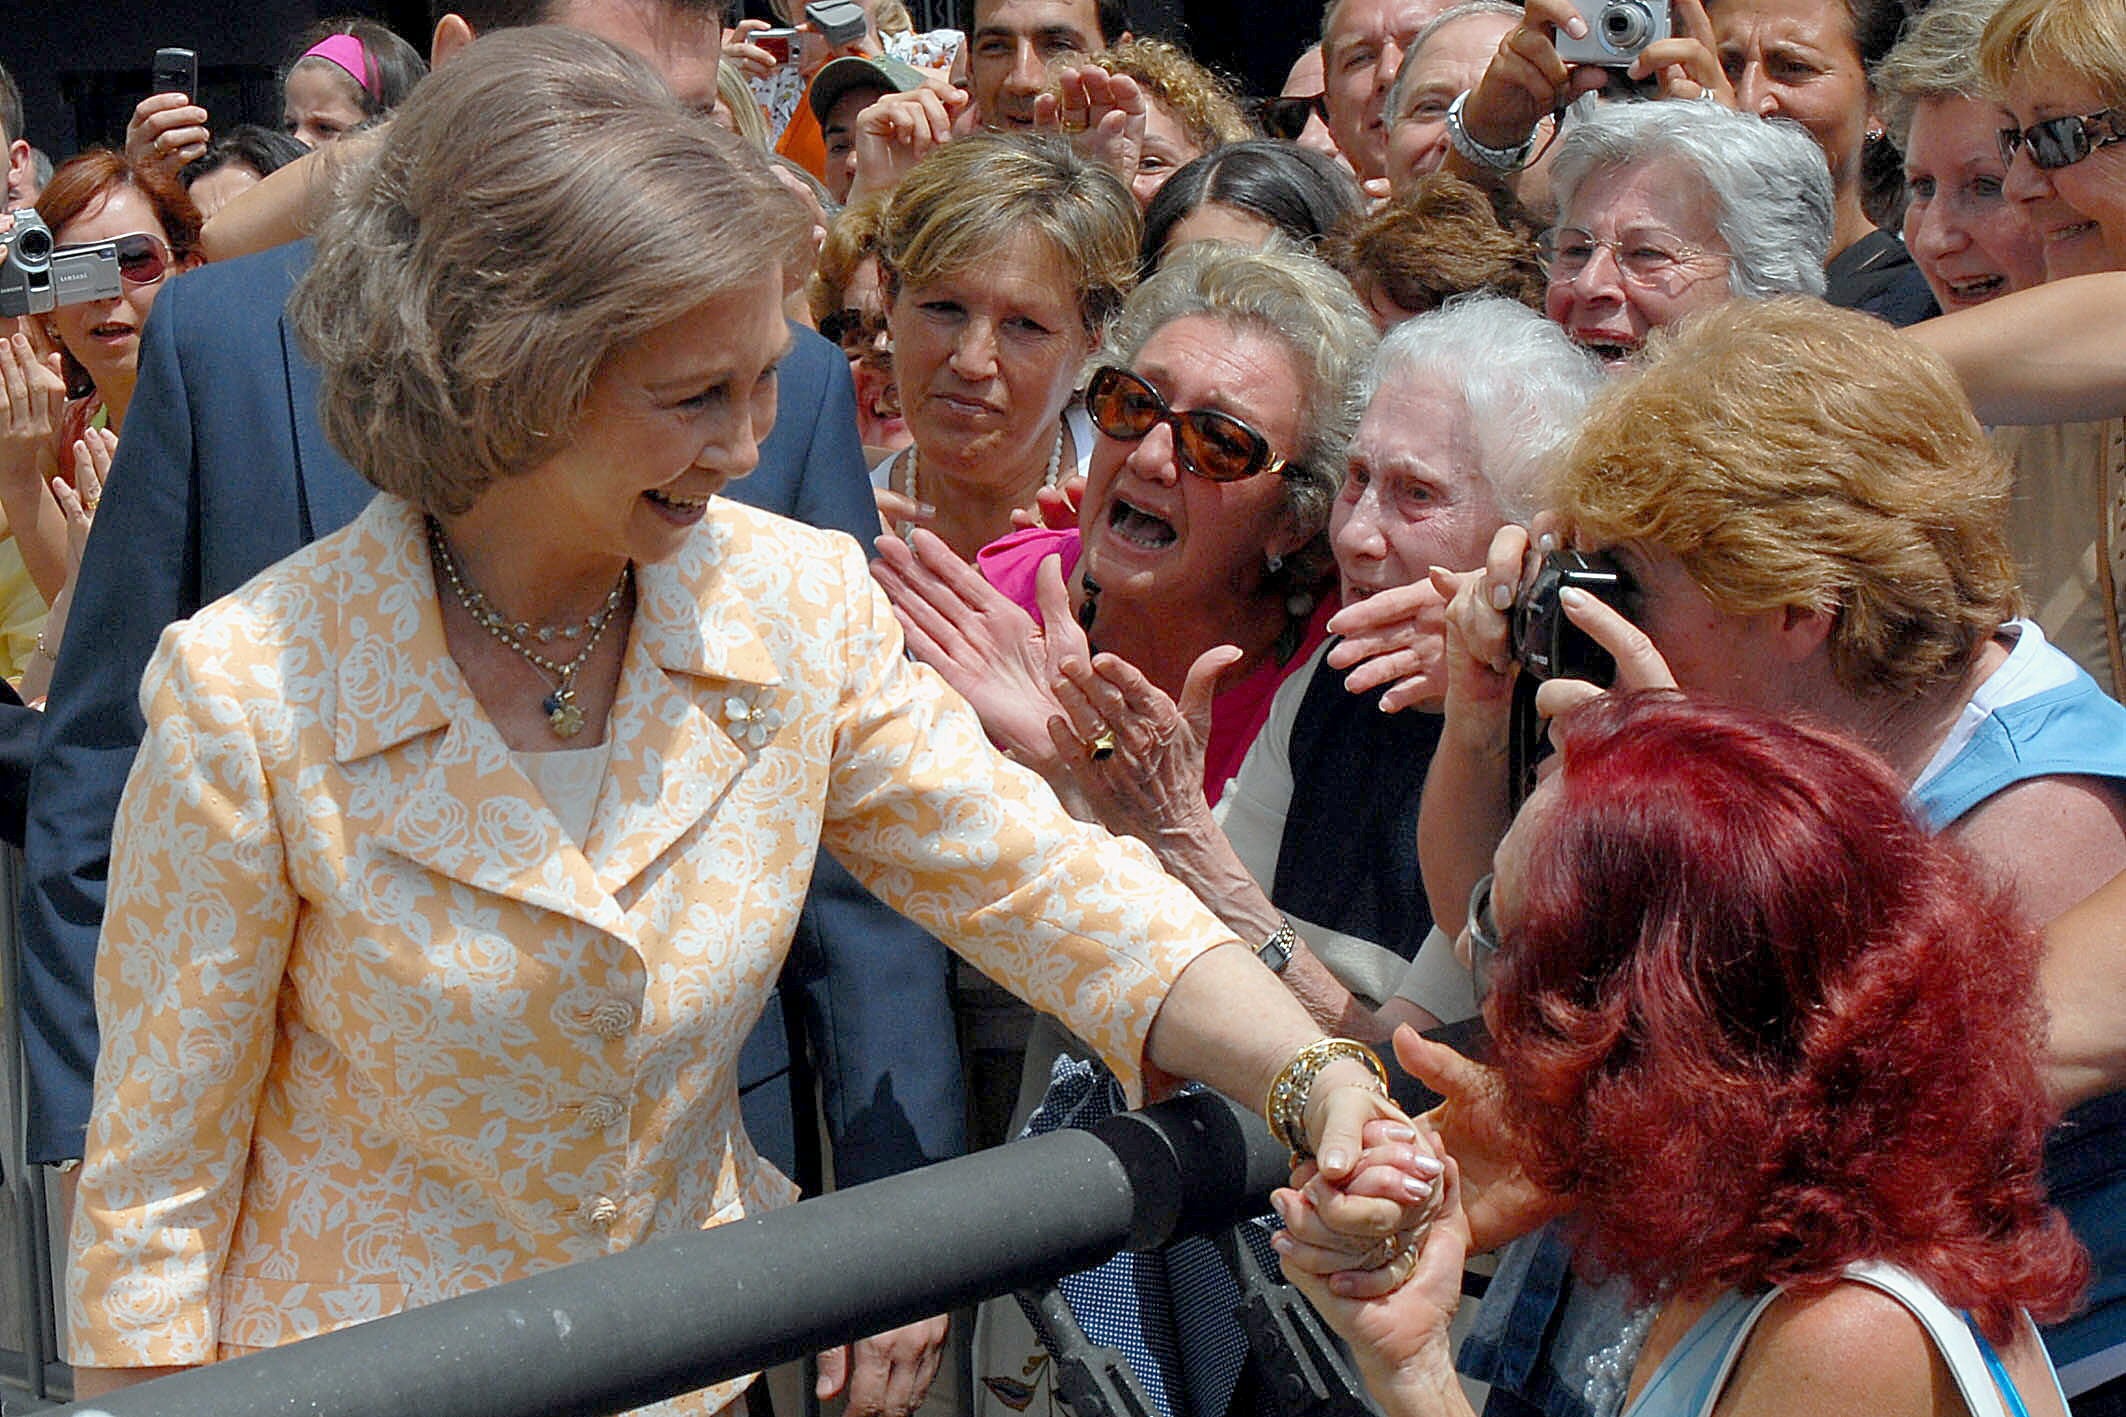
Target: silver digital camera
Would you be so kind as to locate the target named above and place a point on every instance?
(36, 276)
(1617, 30)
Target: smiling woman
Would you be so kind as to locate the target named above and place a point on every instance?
(520, 779)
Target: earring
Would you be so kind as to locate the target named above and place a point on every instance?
(1876, 133)
(1275, 563)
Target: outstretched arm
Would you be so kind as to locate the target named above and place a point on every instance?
(2055, 353)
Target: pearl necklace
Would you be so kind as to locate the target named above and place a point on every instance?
(563, 714)
(911, 465)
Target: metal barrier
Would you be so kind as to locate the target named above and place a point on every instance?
(683, 1312)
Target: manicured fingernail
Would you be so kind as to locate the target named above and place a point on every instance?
(1282, 1242)
(1277, 1203)
(1501, 597)
(1574, 598)
(1427, 1164)
(1575, 26)
(1396, 1131)
(926, 509)
(1417, 1190)
(1548, 541)
(1334, 1160)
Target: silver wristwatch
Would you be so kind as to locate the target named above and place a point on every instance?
(1276, 951)
(1497, 159)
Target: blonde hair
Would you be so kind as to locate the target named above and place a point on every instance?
(1794, 455)
(737, 96)
(464, 295)
(2082, 38)
(1935, 58)
(966, 201)
(1201, 102)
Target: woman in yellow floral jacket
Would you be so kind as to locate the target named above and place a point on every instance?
(465, 845)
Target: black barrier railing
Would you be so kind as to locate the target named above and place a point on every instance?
(683, 1312)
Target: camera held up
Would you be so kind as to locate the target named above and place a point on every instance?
(36, 276)
(1547, 645)
(1617, 30)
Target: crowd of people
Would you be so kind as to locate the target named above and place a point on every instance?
(649, 574)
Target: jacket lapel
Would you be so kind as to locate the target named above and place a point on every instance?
(699, 698)
(330, 493)
(452, 801)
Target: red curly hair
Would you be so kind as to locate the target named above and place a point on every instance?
(1759, 1023)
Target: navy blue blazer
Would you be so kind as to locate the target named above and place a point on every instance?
(223, 470)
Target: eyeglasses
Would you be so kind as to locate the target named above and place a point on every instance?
(1210, 444)
(1644, 258)
(143, 259)
(1286, 118)
(2063, 142)
(1483, 930)
(858, 332)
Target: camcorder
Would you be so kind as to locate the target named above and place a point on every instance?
(840, 21)
(1547, 645)
(36, 276)
(1617, 31)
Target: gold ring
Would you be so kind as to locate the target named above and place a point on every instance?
(90, 504)
(1103, 745)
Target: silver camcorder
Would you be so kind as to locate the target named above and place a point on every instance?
(36, 276)
(1617, 30)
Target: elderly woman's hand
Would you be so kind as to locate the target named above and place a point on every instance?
(1396, 637)
(1526, 81)
(1149, 781)
(985, 646)
(1103, 114)
(1479, 640)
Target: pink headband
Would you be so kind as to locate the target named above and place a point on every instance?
(347, 52)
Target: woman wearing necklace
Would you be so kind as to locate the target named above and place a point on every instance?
(464, 846)
(1003, 258)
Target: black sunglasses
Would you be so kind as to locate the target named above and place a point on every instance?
(1483, 930)
(2063, 142)
(1286, 118)
(1210, 444)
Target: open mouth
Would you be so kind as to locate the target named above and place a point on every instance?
(1608, 351)
(110, 331)
(1973, 290)
(2070, 233)
(676, 508)
(1139, 527)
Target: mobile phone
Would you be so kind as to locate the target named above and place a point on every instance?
(176, 71)
(776, 42)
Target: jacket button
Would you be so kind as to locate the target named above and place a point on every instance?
(602, 1111)
(611, 1018)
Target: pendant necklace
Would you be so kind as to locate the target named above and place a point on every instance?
(563, 714)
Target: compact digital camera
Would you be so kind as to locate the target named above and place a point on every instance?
(1545, 641)
(1617, 30)
(36, 276)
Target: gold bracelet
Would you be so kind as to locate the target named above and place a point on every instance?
(1286, 1106)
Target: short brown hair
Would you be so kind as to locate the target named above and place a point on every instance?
(464, 295)
(1439, 240)
(1795, 455)
(965, 201)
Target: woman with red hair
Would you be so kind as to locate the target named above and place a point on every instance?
(66, 380)
(1775, 1048)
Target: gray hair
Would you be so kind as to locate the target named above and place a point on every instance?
(1297, 300)
(1770, 186)
(1935, 57)
(1466, 10)
(465, 294)
(1523, 382)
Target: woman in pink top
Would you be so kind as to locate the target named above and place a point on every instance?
(1221, 398)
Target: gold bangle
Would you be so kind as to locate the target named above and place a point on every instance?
(1285, 1109)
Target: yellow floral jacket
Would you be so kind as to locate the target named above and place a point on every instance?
(376, 1032)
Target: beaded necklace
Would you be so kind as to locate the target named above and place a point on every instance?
(563, 714)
